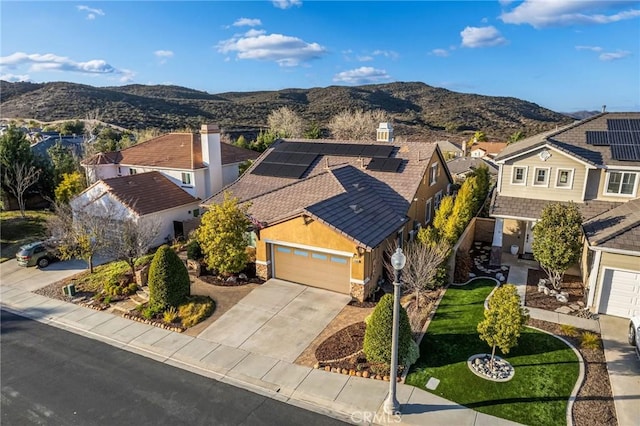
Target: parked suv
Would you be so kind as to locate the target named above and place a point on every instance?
(38, 253)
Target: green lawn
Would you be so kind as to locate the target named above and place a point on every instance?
(546, 368)
(16, 231)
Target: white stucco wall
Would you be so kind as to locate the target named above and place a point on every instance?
(229, 173)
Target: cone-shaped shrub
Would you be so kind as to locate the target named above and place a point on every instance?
(378, 334)
(168, 279)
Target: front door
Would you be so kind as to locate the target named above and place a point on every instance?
(528, 238)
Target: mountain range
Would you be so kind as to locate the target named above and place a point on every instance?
(417, 110)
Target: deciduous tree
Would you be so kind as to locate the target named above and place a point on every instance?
(285, 123)
(132, 239)
(19, 177)
(223, 236)
(503, 321)
(356, 124)
(557, 240)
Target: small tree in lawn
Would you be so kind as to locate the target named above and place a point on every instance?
(133, 239)
(503, 320)
(169, 283)
(557, 240)
(223, 236)
(378, 334)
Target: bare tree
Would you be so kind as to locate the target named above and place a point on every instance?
(92, 121)
(82, 234)
(285, 123)
(22, 178)
(357, 124)
(132, 239)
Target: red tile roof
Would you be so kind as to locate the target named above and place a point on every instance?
(172, 151)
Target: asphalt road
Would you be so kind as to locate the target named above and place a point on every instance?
(52, 377)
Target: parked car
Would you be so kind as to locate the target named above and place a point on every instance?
(634, 333)
(38, 253)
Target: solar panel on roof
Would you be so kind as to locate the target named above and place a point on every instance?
(342, 149)
(625, 152)
(620, 138)
(384, 164)
(597, 138)
(634, 124)
(618, 124)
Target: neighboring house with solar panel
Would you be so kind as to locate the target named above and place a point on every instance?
(326, 213)
(165, 177)
(596, 164)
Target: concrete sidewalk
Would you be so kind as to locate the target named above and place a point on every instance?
(352, 399)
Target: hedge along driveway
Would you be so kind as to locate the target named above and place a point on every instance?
(546, 369)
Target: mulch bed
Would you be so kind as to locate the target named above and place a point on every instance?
(594, 402)
(570, 284)
(345, 342)
(221, 281)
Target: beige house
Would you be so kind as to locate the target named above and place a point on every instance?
(326, 212)
(596, 164)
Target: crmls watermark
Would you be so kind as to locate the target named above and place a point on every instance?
(371, 417)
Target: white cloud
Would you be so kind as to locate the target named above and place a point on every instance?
(91, 12)
(443, 53)
(254, 33)
(386, 53)
(481, 37)
(247, 22)
(613, 56)
(541, 14)
(286, 4)
(364, 58)
(37, 62)
(591, 48)
(484, 20)
(362, 75)
(15, 77)
(285, 50)
(163, 55)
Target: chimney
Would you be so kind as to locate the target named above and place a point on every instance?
(211, 158)
(384, 133)
(464, 148)
(604, 108)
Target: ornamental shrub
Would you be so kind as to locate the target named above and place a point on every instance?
(168, 279)
(378, 334)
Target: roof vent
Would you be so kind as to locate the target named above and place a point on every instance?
(356, 208)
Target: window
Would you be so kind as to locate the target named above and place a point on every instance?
(341, 260)
(252, 237)
(186, 178)
(518, 175)
(433, 174)
(196, 212)
(438, 198)
(283, 250)
(621, 183)
(132, 171)
(427, 212)
(541, 177)
(564, 178)
(318, 256)
(300, 253)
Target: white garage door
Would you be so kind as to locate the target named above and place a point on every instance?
(620, 293)
(314, 268)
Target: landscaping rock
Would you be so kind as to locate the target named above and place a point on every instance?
(471, 275)
(562, 298)
(232, 279)
(502, 369)
(243, 277)
(546, 291)
(552, 292)
(580, 303)
(142, 276)
(500, 276)
(574, 306)
(564, 310)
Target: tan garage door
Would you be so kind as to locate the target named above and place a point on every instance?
(313, 268)
(620, 293)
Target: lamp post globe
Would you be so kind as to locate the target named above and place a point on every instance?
(391, 405)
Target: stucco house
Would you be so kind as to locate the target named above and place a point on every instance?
(596, 164)
(165, 177)
(325, 212)
(461, 167)
(487, 149)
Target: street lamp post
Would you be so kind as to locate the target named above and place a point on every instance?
(398, 260)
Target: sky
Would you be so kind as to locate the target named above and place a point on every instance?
(565, 55)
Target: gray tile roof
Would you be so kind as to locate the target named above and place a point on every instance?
(466, 164)
(528, 208)
(330, 187)
(618, 228)
(572, 140)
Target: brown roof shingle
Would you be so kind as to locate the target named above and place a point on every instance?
(146, 193)
(618, 228)
(531, 209)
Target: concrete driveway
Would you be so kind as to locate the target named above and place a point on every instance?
(11, 274)
(624, 369)
(279, 319)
